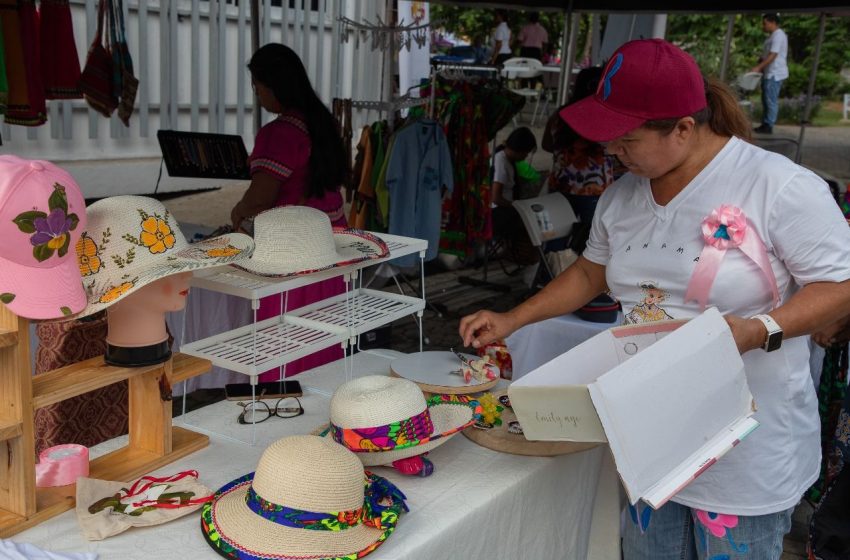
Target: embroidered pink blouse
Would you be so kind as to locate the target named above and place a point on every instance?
(282, 150)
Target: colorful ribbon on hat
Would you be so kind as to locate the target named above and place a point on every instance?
(409, 432)
(382, 504)
(61, 465)
(727, 228)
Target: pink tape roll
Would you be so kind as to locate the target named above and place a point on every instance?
(61, 465)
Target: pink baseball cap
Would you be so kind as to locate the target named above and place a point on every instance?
(42, 214)
(644, 80)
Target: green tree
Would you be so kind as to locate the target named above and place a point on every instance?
(475, 24)
(703, 35)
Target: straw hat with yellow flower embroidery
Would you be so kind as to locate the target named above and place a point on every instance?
(132, 241)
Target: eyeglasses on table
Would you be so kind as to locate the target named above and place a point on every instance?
(257, 411)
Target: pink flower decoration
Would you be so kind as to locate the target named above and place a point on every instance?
(725, 227)
(717, 523)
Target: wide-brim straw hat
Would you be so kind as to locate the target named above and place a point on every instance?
(296, 240)
(383, 419)
(308, 498)
(132, 241)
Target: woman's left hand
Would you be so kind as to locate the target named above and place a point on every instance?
(749, 334)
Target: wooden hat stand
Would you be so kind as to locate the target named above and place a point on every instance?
(154, 442)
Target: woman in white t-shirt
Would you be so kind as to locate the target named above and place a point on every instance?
(695, 182)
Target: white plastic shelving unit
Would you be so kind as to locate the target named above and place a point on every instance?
(271, 343)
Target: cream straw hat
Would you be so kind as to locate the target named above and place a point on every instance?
(132, 241)
(294, 240)
(384, 419)
(309, 498)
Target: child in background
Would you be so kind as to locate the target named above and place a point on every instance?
(519, 144)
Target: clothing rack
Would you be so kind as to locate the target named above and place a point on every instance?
(384, 36)
(393, 106)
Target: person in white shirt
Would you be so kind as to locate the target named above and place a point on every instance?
(773, 64)
(695, 184)
(501, 39)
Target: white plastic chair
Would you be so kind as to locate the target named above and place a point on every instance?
(524, 68)
(546, 218)
(745, 83)
(748, 81)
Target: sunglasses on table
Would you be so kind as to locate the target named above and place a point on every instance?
(257, 411)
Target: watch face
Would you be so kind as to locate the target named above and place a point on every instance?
(774, 341)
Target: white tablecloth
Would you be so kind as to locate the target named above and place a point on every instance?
(477, 504)
(536, 344)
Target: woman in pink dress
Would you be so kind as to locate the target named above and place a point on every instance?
(298, 159)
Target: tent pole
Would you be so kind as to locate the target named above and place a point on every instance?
(724, 63)
(569, 59)
(255, 44)
(565, 42)
(807, 111)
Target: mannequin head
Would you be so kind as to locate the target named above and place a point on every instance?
(138, 320)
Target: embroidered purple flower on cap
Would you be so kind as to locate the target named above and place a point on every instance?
(51, 232)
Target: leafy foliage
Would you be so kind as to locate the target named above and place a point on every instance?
(475, 25)
(703, 35)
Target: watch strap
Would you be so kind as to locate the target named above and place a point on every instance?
(774, 332)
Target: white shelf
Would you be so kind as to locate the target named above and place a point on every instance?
(265, 345)
(235, 282)
(359, 311)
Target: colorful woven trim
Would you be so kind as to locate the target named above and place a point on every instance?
(383, 503)
(271, 167)
(378, 491)
(294, 121)
(393, 437)
(405, 433)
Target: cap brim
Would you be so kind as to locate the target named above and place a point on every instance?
(204, 254)
(596, 122)
(234, 531)
(42, 293)
(448, 419)
(352, 246)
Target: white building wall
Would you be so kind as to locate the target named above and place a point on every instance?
(193, 76)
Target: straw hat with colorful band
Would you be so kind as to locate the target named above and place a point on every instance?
(309, 498)
(132, 241)
(42, 214)
(384, 419)
(296, 240)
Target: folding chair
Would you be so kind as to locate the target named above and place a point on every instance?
(546, 218)
(524, 69)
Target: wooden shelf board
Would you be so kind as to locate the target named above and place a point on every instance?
(124, 464)
(76, 379)
(9, 521)
(185, 367)
(8, 338)
(9, 429)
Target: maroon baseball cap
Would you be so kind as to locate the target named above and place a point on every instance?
(644, 80)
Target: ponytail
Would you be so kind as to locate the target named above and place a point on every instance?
(726, 117)
(722, 114)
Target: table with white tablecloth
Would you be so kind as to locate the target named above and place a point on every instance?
(536, 344)
(478, 503)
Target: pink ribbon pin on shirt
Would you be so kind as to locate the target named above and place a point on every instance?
(726, 228)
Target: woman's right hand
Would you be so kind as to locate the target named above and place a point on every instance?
(483, 327)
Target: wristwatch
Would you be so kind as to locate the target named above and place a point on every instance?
(774, 333)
